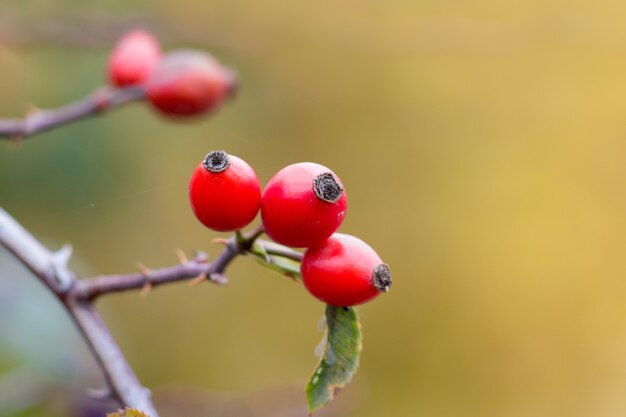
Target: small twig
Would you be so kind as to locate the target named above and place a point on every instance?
(98, 102)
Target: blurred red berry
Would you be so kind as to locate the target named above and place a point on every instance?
(224, 192)
(188, 83)
(344, 271)
(303, 204)
(133, 59)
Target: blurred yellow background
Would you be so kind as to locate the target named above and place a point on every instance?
(482, 145)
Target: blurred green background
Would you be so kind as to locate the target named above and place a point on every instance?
(483, 149)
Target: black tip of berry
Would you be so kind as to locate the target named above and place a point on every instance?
(327, 188)
(216, 161)
(381, 277)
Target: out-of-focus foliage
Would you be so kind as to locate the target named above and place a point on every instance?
(482, 147)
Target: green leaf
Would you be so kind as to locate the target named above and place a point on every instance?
(128, 412)
(341, 356)
(285, 266)
(260, 251)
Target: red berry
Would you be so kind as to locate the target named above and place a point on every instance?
(303, 204)
(133, 59)
(344, 271)
(188, 83)
(224, 192)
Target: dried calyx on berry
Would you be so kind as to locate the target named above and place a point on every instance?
(381, 277)
(216, 161)
(327, 188)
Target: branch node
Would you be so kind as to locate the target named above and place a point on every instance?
(59, 261)
(218, 278)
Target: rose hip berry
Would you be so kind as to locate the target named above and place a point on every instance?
(303, 204)
(188, 83)
(344, 271)
(133, 59)
(224, 192)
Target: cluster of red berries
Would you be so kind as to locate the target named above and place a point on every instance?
(179, 84)
(302, 206)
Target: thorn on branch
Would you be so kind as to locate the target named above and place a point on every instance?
(182, 257)
(220, 241)
(147, 287)
(197, 280)
(143, 270)
(63, 255)
(145, 290)
(59, 261)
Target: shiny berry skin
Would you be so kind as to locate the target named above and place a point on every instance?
(344, 271)
(303, 204)
(133, 58)
(224, 192)
(188, 83)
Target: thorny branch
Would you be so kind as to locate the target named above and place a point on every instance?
(78, 295)
(197, 268)
(97, 102)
